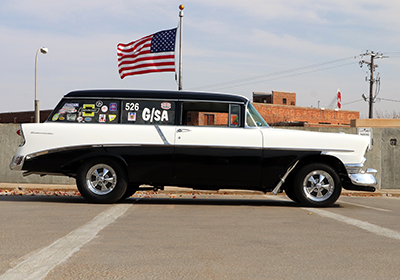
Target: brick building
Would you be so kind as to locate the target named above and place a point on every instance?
(279, 109)
(276, 97)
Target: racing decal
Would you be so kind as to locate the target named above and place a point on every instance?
(71, 117)
(88, 110)
(131, 116)
(55, 117)
(62, 118)
(70, 109)
(148, 112)
(87, 119)
(166, 105)
(62, 111)
(113, 107)
(102, 118)
(154, 115)
(99, 103)
(104, 108)
(80, 119)
(111, 117)
(132, 106)
(71, 105)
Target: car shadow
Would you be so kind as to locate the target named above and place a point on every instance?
(237, 201)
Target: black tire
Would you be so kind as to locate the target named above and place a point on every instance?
(130, 191)
(317, 185)
(102, 180)
(289, 191)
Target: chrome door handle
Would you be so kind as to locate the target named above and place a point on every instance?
(183, 130)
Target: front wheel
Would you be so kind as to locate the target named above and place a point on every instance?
(101, 180)
(317, 185)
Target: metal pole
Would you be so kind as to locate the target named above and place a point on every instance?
(37, 110)
(181, 7)
(36, 103)
(371, 86)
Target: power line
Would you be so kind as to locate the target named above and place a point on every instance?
(246, 81)
(287, 76)
(386, 99)
(351, 102)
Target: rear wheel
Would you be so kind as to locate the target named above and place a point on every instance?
(102, 181)
(317, 185)
(132, 188)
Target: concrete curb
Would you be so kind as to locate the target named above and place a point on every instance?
(176, 190)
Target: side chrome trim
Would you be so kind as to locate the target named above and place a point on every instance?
(163, 138)
(282, 180)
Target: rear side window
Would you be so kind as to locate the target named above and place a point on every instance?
(211, 114)
(148, 112)
(87, 111)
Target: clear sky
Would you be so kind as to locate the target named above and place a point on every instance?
(310, 47)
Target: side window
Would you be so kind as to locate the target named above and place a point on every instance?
(235, 119)
(148, 112)
(87, 111)
(210, 114)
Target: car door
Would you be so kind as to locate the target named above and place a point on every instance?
(214, 150)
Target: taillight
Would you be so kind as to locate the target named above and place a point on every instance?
(21, 133)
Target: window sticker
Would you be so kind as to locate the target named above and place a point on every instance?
(113, 107)
(88, 110)
(148, 112)
(132, 106)
(71, 117)
(132, 116)
(165, 105)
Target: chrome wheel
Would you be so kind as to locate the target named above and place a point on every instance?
(318, 185)
(101, 179)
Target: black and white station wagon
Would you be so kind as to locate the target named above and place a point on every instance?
(113, 141)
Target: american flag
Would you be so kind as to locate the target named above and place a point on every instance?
(152, 53)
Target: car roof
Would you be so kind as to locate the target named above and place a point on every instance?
(156, 94)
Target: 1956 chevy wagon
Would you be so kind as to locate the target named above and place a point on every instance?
(113, 141)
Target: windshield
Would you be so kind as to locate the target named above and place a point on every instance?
(253, 117)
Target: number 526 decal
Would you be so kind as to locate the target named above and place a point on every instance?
(132, 106)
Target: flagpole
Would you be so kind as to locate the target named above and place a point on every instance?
(181, 7)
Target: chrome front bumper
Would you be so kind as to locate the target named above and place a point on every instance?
(364, 178)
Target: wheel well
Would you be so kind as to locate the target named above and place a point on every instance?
(333, 162)
(73, 167)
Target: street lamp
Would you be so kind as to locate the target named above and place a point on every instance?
(37, 111)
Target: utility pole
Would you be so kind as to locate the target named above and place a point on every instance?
(372, 80)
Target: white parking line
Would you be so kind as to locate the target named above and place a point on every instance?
(365, 206)
(38, 265)
(357, 223)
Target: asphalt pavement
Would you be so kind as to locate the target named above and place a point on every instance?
(22, 189)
